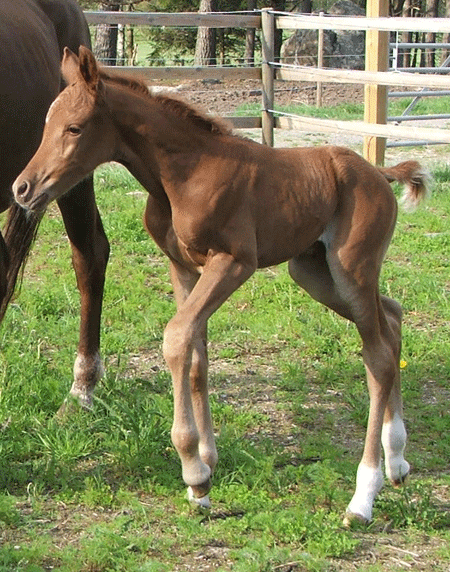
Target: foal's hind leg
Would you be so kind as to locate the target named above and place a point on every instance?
(342, 284)
(393, 436)
(90, 252)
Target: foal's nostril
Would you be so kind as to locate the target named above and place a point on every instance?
(23, 188)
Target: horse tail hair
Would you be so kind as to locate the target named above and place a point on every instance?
(19, 234)
(415, 179)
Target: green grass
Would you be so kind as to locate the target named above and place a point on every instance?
(353, 111)
(103, 492)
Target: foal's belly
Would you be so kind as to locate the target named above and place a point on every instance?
(283, 244)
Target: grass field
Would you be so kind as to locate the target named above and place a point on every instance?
(102, 491)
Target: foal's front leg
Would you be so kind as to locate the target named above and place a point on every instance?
(90, 252)
(183, 282)
(192, 433)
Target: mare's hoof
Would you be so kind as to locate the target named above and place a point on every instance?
(201, 503)
(353, 520)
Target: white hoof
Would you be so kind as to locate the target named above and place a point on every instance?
(200, 502)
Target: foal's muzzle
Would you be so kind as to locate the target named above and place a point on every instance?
(24, 194)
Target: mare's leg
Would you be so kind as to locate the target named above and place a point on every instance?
(4, 265)
(221, 276)
(183, 282)
(347, 282)
(90, 251)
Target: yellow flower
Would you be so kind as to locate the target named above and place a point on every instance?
(403, 364)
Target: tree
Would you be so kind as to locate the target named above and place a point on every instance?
(432, 11)
(205, 48)
(446, 37)
(250, 38)
(279, 6)
(105, 45)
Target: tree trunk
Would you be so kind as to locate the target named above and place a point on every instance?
(446, 37)
(205, 48)
(432, 11)
(278, 6)
(130, 49)
(250, 38)
(106, 35)
(405, 56)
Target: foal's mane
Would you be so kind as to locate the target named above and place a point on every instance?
(173, 105)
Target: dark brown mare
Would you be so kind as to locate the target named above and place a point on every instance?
(221, 206)
(33, 34)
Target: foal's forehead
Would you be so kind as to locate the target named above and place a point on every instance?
(72, 99)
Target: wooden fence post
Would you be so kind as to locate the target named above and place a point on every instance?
(267, 73)
(376, 96)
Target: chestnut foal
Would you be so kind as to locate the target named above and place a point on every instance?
(221, 206)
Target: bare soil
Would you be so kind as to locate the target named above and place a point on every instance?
(222, 98)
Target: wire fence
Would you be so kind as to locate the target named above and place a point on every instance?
(269, 73)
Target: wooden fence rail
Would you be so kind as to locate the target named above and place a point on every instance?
(267, 21)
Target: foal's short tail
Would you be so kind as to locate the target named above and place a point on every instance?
(415, 179)
(19, 234)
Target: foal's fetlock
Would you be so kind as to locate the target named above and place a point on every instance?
(201, 490)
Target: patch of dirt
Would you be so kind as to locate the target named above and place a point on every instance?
(224, 97)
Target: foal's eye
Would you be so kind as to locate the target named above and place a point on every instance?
(74, 130)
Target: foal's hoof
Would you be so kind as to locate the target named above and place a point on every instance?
(72, 405)
(201, 503)
(353, 520)
(397, 483)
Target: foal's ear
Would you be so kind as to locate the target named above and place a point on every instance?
(82, 67)
(70, 67)
(88, 68)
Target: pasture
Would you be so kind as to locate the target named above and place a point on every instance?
(101, 491)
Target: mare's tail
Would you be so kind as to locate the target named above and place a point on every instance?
(19, 234)
(415, 179)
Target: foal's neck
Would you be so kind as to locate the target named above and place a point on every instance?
(165, 123)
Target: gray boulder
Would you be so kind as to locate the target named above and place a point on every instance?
(342, 49)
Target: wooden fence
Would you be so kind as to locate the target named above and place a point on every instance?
(267, 21)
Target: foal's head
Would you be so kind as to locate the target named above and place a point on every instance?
(78, 136)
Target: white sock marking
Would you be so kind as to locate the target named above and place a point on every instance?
(368, 484)
(393, 438)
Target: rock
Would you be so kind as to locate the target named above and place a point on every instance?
(342, 49)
